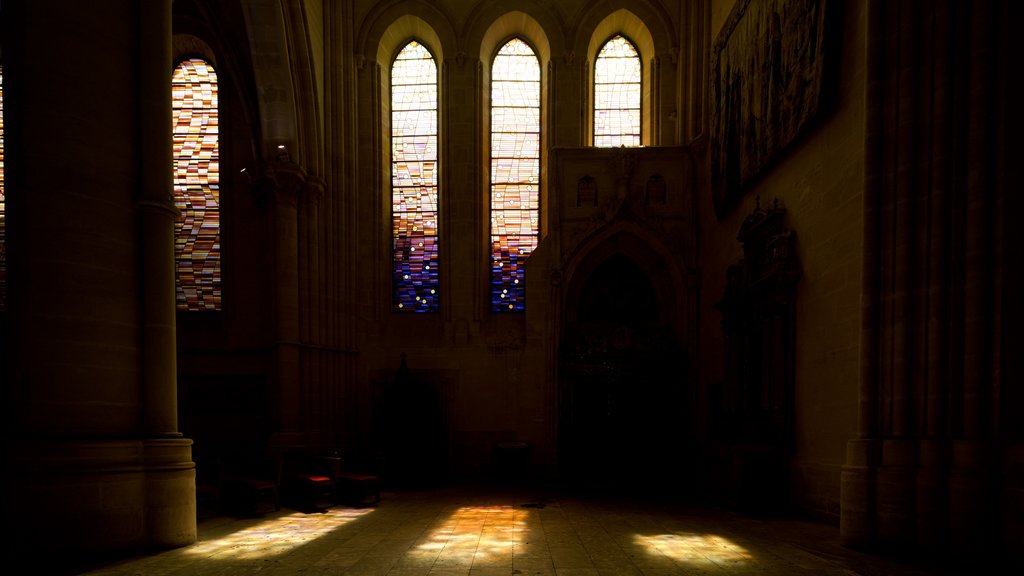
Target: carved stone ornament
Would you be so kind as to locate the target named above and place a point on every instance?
(654, 191)
(586, 191)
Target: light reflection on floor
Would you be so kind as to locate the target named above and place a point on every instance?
(275, 536)
(694, 548)
(475, 535)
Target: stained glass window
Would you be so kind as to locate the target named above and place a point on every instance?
(3, 214)
(414, 180)
(617, 94)
(515, 171)
(196, 186)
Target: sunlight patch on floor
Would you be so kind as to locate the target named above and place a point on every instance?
(694, 548)
(476, 533)
(275, 536)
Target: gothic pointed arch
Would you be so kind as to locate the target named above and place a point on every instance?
(623, 371)
(648, 253)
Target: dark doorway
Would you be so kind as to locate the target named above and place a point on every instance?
(622, 401)
(410, 430)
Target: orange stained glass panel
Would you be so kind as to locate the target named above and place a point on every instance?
(196, 169)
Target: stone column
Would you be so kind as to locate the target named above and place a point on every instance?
(971, 501)
(313, 368)
(857, 480)
(924, 470)
(102, 467)
(170, 472)
(287, 180)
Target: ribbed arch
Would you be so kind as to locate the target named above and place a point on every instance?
(414, 180)
(403, 29)
(196, 158)
(515, 24)
(515, 170)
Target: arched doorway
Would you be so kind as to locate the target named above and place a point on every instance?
(622, 400)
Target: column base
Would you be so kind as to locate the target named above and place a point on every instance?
(86, 501)
(857, 494)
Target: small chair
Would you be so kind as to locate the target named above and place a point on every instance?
(250, 487)
(357, 483)
(308, 481)
(358, 488)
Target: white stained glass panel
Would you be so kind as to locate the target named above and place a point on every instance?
(617, 94)
(514, 93)
(515, 145)
(414, 122)
(514, 119)
(511, 171)
(413, 148)
(613, 96)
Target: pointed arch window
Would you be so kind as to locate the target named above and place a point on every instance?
(515, 171)
(197, 251)
(414, 189)
(617, 94)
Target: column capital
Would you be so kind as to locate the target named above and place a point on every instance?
(285, 180)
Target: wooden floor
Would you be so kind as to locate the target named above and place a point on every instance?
(502, 531)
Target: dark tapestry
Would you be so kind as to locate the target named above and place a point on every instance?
(767, 69)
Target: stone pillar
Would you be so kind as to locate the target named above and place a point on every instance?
(931, 380)
(857, 493)
(170, 472)
(102, 467)
(287, 179)
(313, 363)
(857, 480)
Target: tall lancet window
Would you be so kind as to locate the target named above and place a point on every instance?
(414, 180)
(196, 185)
(3, 214)
(515, 171)
(617, 94)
